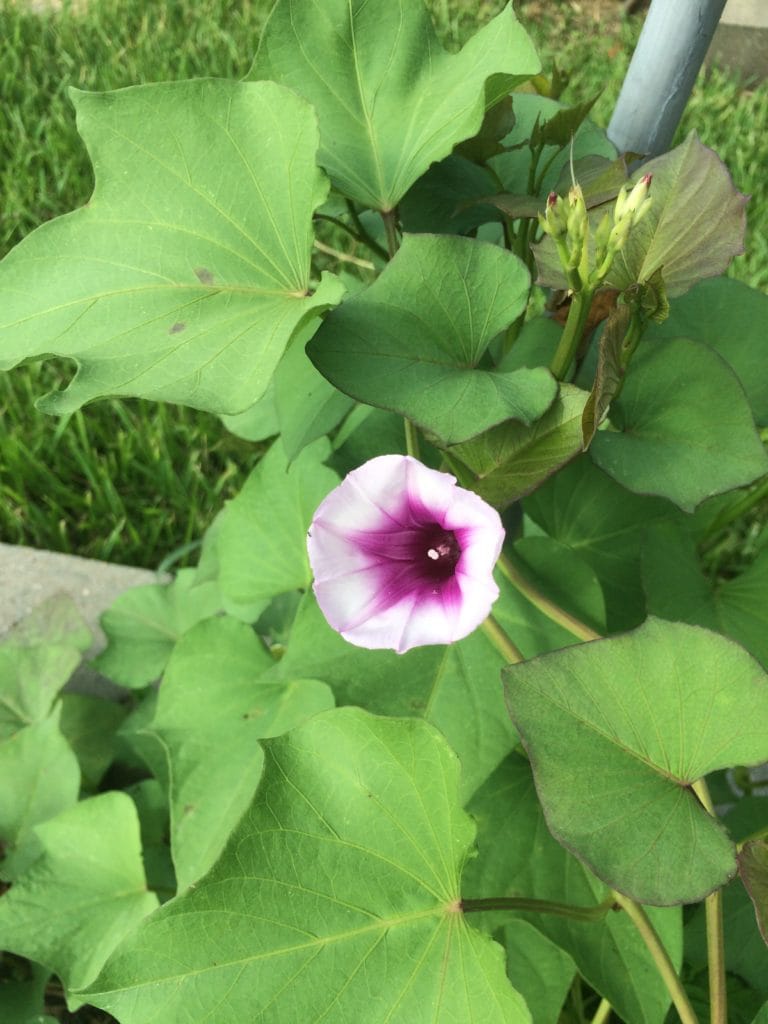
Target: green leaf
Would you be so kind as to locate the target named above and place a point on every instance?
(22, 993)
(586, 511)
(337, 897)
(617, 734)
(564, 577)
(753, 868)
(390, 100)
(39, 778)
(513, 167)
(85, 892)
(37, 657)
(678, 590)
(540, 971)
(445, 199)
(511, 460)
(212, 709)
(184, 276)
(259, 421)
(695, 225)
(730, 317)
(307, 405)
(144, 624)
(412, 341)
(456, 688)
(685, 430)
(519, 857)
(89, 725)
(261, 538)
(56, 620)
(561, 127)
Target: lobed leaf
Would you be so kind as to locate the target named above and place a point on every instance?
(390, 100)
(83, 894)
(337, 897)
(185, 276)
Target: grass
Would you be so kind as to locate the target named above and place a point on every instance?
(131, 481)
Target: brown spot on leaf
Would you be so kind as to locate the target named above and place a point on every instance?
(203, 275)
(177, 327)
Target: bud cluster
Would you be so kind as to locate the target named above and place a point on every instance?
(566, 222)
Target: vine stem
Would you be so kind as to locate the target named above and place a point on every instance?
(602, 1013)
(734, 511)
(553, 611)
(511, 654)
(713, 910)
(526, 905)
(571, 336)
(660, 957)
(411, 438)
(390, 227)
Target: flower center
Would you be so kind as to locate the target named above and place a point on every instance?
(441, 552)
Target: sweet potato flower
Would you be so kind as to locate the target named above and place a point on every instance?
(402, 557)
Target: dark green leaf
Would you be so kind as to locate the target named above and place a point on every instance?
(412, 341)
(677, 589)
(185, 276)
(609, 375)
(390, 100)
(730, 317)
(519, 857)
(540, 971)
(685, 430)
(617, 734)
(586, 511)
(512, 460)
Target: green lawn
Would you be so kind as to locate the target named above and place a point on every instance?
(131, 481)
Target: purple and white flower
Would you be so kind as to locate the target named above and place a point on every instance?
(403, 557)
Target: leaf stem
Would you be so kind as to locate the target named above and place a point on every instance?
(411, 438)
(713, 911)
(526, 905)
(390, 227)
(660, 957)
(602, 1013)
(362, 235)
(732, 512)
(571, 336)
(547, 607)
(511, 654)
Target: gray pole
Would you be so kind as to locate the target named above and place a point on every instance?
(669, 53)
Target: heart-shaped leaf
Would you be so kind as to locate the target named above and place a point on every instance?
(685, 429)
(185, 276)
(412, 341)
(389, 99)
(338, 896)
(619, 729)
(83, 894)
(730, 317)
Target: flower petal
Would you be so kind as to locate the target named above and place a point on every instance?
(402, 557)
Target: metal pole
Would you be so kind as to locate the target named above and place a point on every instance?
(669, 53)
